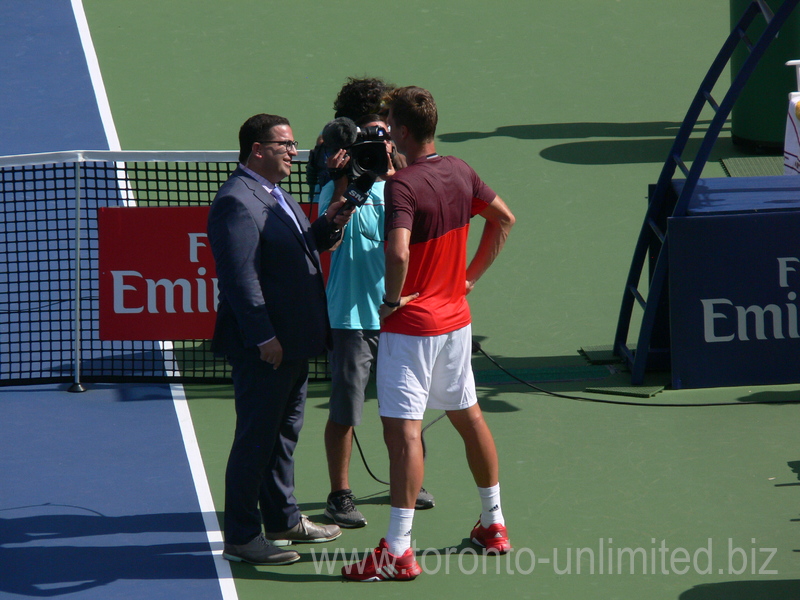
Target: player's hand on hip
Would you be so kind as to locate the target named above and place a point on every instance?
(384, 310)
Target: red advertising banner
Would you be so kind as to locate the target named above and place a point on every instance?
(157, 276)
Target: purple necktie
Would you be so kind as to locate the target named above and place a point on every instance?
(276, 193)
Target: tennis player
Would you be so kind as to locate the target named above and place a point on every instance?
(426, 337)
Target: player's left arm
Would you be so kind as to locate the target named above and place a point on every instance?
(499, 221)
(397, 256)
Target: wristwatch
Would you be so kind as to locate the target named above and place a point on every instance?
(391, 304)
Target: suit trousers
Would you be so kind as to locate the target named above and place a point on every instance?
(259, 479)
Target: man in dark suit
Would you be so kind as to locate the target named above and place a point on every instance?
(271, 319)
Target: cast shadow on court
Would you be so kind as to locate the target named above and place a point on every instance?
(610, 143)
(53, 554)
(771, 397)
(497, 375)
(773, 589)
(145, 364)
(794, 465)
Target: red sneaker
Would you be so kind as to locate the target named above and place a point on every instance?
(381, 565)
(493, 538)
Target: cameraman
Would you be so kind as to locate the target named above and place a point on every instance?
(357, 98)
(355, 291)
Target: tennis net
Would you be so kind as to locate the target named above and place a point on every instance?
(49, 274)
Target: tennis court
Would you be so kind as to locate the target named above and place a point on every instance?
(567, 110)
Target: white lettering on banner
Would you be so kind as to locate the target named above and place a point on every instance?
(202, 305)
(194, 244)
(791, 309)
(215, 293)
(161, 293)
(716, 317)
(784, 268)
(119, 291)
(709, 315)
(132, 280)
(169, 295)
(758, 320)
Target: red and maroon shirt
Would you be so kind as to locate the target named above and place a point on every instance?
(434, 197)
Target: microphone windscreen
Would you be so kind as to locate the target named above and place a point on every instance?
(339, 133)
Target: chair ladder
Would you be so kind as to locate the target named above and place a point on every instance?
(652, 346)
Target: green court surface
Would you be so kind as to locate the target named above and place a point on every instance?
(567, 109)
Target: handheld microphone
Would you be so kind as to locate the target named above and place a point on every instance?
(357, 192)
(355, 195)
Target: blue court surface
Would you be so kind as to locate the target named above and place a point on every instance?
(47, 101)
(97, 498)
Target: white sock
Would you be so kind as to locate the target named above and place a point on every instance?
(399, 535)
(491, 512)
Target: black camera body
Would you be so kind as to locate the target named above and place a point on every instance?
(366, 147)
(368, 152)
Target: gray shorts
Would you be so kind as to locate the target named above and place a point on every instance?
(353, 355)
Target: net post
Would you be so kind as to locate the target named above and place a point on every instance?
(77, 386)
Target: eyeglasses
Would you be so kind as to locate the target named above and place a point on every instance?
(288, 144)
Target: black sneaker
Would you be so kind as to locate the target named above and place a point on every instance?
(424, 500)
(342, 511)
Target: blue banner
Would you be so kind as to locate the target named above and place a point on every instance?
(734, 287)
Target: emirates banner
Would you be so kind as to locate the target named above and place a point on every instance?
(733, 289)
(157, 276)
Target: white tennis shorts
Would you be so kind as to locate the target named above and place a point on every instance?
(415, 372)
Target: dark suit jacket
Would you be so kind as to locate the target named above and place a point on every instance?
(270, 281)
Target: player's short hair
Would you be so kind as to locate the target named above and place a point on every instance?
(415, 108)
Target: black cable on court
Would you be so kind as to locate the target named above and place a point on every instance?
(364, 459)
(476, 347)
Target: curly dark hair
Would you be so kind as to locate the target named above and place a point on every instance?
(360, 96)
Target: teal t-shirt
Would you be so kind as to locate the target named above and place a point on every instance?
(355, 282)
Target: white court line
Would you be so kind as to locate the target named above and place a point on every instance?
(202, 489)
(224, 575)
(97, 77)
